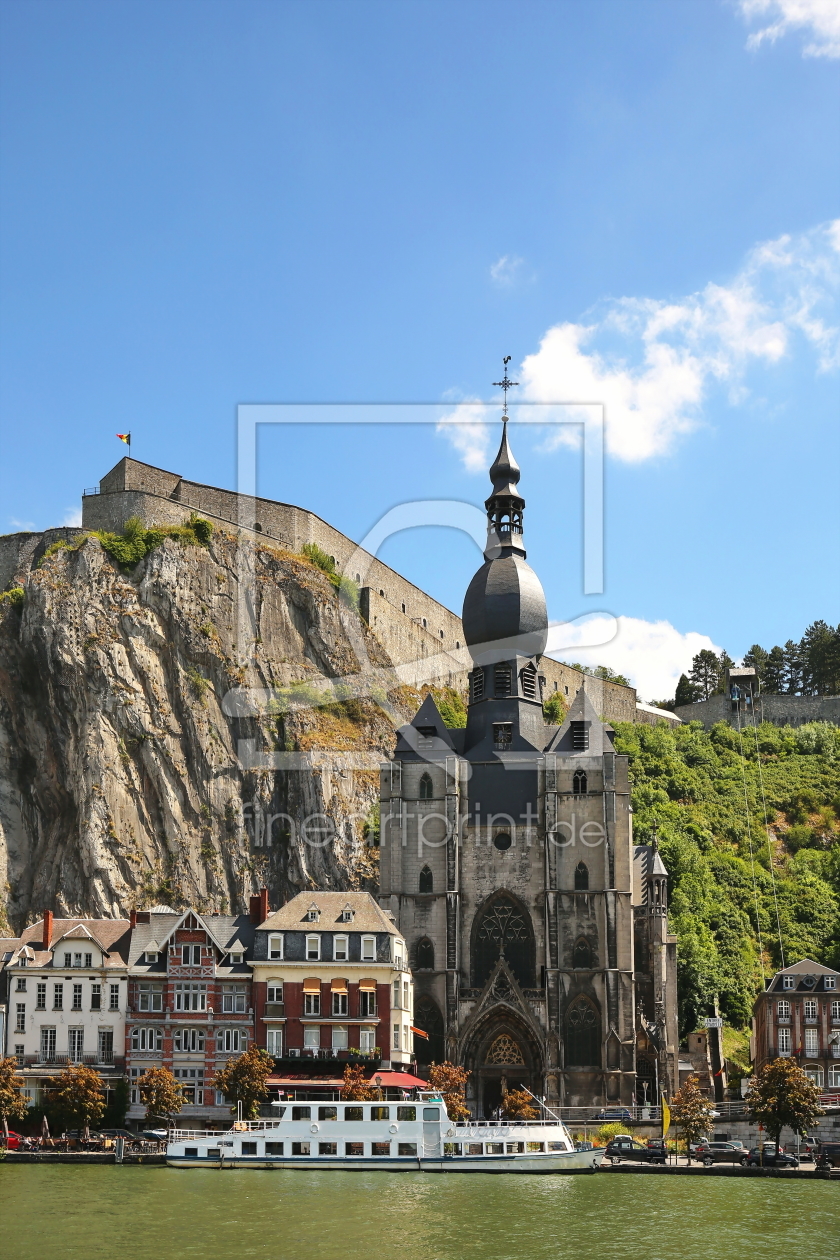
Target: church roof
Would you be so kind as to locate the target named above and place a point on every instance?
(582, 710)
(426, 724)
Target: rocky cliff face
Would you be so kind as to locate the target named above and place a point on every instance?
(121, 782)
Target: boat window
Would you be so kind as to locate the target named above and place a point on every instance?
(406, 1148)
(406, 1113)
(301, 1113)
(354, 1113)
(495, 1148)
(431, 1113)
(380, 1113)
(452, 1148)
(533, 1147)
(327, 1113)
(249, 1148)
(274, 1148)
(328, 1148)
(213, 1152)
(354, 1148)
(380, 1148)
(515, 1148)
(474, 1148)
(300, 1148)
(557, 1146)
(191, 1152)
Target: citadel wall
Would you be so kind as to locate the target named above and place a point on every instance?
(780, 710)
(423, 638)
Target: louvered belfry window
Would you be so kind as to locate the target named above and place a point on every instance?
(580, 736)
(502, 680)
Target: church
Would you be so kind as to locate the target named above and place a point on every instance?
(537, 930)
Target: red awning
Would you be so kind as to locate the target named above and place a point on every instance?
(398, 1080)
(420, 1033)
(388, 1080)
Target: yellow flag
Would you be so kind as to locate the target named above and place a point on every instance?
(666, 1117)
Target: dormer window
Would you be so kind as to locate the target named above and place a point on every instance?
(313, 914)
(829, 982)
(68, 960)
(346, 915)
(275, 948)
(788, 982)
(236, 959)
(150, 956)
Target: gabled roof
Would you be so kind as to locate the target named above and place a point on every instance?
(582, 710)
(428, 716)
(806, 967)
(226, 931)
(111, 935)
(367, 915)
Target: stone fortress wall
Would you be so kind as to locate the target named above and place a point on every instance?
(416, 631)
(780, 710)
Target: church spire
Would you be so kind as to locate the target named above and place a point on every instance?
(505, 505)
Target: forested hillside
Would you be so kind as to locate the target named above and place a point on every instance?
(732, 884)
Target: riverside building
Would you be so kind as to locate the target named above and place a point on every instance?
(798, 1015)
(537, 930)
(332, 981)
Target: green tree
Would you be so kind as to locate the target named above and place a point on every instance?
(782, 1095)
(792, 655)
(77, 1096)
(705, 673)
(12, 1101)
(451, 1081)
(687, 692)
(756, 658)
(243, 1080)
(692, 1113)
(117, 1106)
(161, 1094)
(554, 709)
(774, 672)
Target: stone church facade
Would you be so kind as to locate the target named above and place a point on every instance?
(537, 930)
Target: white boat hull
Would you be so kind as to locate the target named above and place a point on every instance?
(555, 1162)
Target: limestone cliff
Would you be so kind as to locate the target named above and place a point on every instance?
(121, 782)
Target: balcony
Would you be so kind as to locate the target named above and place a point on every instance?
(342, 1056)
(105, 1062)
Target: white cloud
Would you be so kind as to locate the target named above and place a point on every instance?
(73, 516)
(652, 654)
(467, 428)
(23, 527)
(818, 19)
(507, 269)
(652, 362)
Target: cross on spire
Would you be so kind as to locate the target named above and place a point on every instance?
(504, 383)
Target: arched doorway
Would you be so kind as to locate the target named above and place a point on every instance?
(502, 1051)
(503, 926)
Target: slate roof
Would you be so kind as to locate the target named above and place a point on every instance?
(111, 934)
(367, 917)
(227, 930)
(582, 710)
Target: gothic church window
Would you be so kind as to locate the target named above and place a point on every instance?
(427, 883)
(503, 926)
(582, 956)
(579, 783)
(426, 787)
(583, 1035)
(504, 1050)
(425, 955)
(581, 877)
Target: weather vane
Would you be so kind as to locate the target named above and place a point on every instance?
(505, 383)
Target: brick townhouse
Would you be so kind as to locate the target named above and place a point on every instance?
(799, 1014)
(332, 981)
(190, 1004)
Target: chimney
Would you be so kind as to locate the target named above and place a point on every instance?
(132, 919)
(48, 928)
(258, 907)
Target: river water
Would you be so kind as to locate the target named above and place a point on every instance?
(49, 1213)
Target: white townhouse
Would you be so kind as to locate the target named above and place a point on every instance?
(66, 995)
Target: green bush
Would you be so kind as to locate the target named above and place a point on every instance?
(136, 541)
(13, 597)
(555, 709)
(348, 591)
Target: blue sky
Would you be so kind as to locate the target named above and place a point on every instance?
(209, 204)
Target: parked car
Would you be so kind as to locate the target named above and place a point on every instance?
(829, 1155)
(721, 1153)
(613, 1113)
(15, 1140)
(155, 1135)
(770, 1158)
(626, 1147)
(115, 1133)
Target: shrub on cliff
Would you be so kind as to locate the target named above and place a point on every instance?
(136, 541)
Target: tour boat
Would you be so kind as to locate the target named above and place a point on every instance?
(410, 1136)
